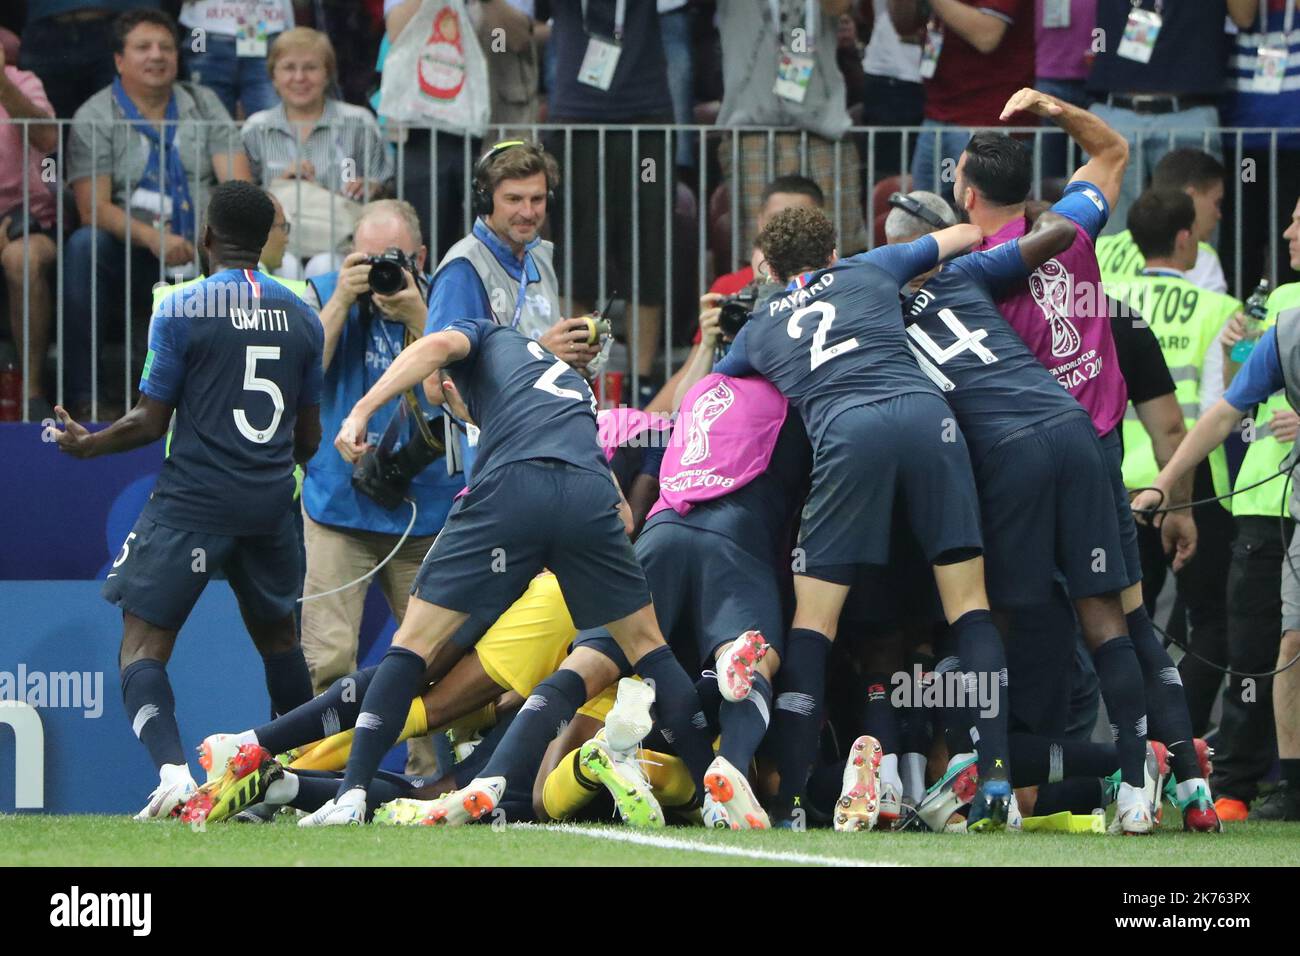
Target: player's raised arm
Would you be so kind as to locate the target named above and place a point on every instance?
(905, 261)
(412, 366)
(1107, 150)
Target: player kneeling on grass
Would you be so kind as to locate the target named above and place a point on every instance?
(542, 496)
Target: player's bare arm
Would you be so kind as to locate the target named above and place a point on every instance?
(1051, 235)
(1210, 431)
(957, 239)
(411, 367)
(142, 425)
(1107, 150)
(306, 434)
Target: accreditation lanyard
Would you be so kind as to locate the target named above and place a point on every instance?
(601, 59)
(809, 23)
(794, 62)
(1140, 32)
(523, 289)
(1271, 60)
(620, 17)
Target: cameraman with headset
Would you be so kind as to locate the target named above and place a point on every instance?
(503, 270)
(373, 306)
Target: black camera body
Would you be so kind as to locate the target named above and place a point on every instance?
(735, 311)
(385, 476)
(388, 271)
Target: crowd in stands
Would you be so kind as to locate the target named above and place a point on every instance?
(165, 99)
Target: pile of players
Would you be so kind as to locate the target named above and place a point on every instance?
(881, 475)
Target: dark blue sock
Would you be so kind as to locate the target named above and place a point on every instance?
(472, 766)
(677, 711)
(551, 703)
(383, 713)
(824, 785)
(710, 703)
(1166, 701)
(1076, 794)
(1043, 760)
(979, 645)
(1121, 690)
(797, 712)
(151, 708)
(878, 717)
(958, 731)
(317, 787)
(744, 723)
(320, 717)
(287, 680)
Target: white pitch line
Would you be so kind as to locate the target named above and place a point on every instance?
(674, 843)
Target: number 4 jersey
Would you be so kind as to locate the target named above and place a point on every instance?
(236, 354)
(835, 340)
(527, 403)
(989, 376)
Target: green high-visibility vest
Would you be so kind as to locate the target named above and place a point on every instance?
(1120, 259)
(1263, 451)
(1186, 321)
(297, 287)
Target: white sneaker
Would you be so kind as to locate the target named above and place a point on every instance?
(1132, 812)
(1015, 819)
(472, 803)
(730, 792)
(167, 799)
(737, 663)
(215, 752)
(859, 805)
(629, 720)
(345, 811)
(713, 814)
(956, 789)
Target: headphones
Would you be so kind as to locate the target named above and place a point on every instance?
(481, 203)
(911, 206)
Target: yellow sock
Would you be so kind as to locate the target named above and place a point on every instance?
(669, 779)
(332, 752)
(567, 789)
(468, 725)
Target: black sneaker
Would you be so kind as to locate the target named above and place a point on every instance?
(1281, 804)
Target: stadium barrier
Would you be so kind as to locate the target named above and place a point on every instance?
(701, 227)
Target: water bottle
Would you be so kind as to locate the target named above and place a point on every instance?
(1256, 311)
(11, 392)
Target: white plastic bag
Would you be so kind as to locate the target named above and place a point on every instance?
(436, 74)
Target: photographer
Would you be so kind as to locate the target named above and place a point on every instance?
(347, 533)
(504, 270)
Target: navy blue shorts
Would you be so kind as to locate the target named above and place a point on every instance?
(707, 590)
(161, 571)
(525, 516)
(1112, 444)
(907, 447)
(1046, 503)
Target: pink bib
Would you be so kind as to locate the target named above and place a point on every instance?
(724, 438)
(617, 427)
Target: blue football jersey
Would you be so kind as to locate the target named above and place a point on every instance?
(992, 381)
(236, 354)
(526, 403)
(836, 340)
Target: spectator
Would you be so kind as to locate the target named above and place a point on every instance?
(676, 27)
(779, 69)
(69, 45)
(628, 86)
(978, 53)
(1255, 100)
(27, 250)
(892, 91)
(142, 156)
(1159, 87)
(312, 137)
(228, 46)
(439, 199)
(509, 38)
(1063, 51)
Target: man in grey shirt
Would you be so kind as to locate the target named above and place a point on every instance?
(143, 156)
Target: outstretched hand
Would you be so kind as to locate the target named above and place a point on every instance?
(73, 438)
(1029, 100)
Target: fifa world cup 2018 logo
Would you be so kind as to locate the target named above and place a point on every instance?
(706, 410)
(1052, 287)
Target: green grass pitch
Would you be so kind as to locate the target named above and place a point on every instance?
(29, 840)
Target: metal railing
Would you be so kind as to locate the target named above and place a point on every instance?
(695, 251)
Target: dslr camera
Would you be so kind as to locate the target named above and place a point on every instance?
(387, 271)
(384, 474)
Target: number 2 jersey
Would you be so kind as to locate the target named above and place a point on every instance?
(988, 374)
(835, 340)
(236, 354)
(527, 403)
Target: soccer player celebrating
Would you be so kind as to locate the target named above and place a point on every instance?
(237, 358)
(542, 496)
(834, 345)
(1042, 476)
(1061, 314)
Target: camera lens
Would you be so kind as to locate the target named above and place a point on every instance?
(732, 318)
(386, 277)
